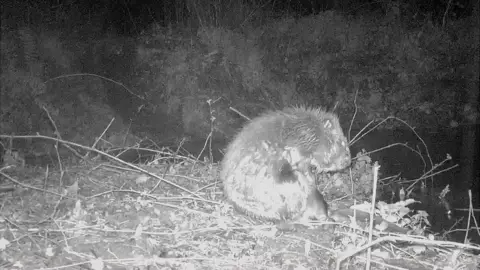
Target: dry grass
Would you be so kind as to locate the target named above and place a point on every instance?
(173, 216)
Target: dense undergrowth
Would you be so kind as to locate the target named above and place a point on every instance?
(378, 66)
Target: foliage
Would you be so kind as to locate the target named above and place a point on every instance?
(29, 58)
(414, 73)
(21, 80)
(251, 62)
(408, 73)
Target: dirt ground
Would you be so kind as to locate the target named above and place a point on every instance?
(106, 215)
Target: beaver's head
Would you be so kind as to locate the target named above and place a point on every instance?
(318, 136)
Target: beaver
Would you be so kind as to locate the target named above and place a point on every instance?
(267, 168)
(267, 186)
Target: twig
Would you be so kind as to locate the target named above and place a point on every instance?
(151, 196)
(356, 109)
(29, 186)
(108, 156)
(392, 145)
(361, 134)
(470, 216)
(59, 160)
(100, 137)
(403, 239)
(355, 139)
(98, 76)
(239, 113)
(372, 212)
(45, 179)
(445, 14)
(430, 174)
(167, 168)
(57, 133)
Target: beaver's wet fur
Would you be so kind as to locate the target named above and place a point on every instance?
(266, 168)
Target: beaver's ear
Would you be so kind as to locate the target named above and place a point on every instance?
(327, 123)
(331, 125)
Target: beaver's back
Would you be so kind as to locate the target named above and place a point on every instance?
(314, 132)
(254, 161)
